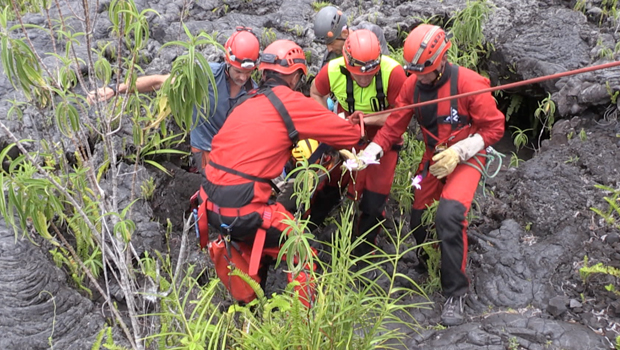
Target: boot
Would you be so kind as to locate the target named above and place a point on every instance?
(453, 312)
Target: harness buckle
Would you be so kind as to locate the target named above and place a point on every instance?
(228, 229)
(227, 243)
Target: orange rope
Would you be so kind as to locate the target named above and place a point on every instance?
(505, 86)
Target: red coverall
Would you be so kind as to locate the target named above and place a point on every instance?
(444, 124)
(372, 184)
(254, 141)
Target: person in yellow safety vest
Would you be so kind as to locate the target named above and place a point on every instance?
(361, 80)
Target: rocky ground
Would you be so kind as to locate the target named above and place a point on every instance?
(532, 229)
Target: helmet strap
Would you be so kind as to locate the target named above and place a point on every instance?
(439, 74)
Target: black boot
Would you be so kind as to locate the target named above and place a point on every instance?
(453, 313)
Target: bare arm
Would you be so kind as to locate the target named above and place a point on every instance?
(147, 83)
(378, 119)
(316, 95)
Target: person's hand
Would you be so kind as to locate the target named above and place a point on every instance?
(357, 162)
(356, 117)
(376, 119)
(102, 94)
(445, 162)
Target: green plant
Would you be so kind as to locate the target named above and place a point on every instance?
(402, 34)
(54, 188)
(612, 213)
(267, 37)
(580, 6)
(189, 82)
(306, 179)
(604, 51)
(308, 55)
(468, 41)
(617, 345)
(148, 188)
(572, 159)
(544, 116)
(409, 159)
(613, 95)
(515, 103)
(513, 343)
(433, 282)
(586, 271)
(397, 54)
(514, 160)
(582, 135)
(318, 5)
(519, 137)
(372, 18)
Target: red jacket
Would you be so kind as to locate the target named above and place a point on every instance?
(480, 111)
(254, 139)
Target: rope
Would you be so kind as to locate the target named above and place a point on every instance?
(484, 169)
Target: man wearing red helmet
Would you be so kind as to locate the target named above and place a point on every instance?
(232, 80)
(361, 80)
(456, 132)
(250, 149)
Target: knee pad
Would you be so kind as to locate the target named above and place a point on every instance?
(450, 219)
(239, 259)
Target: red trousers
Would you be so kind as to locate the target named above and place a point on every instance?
(455, 194)
(372, 185)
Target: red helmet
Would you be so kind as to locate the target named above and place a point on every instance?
(362, 52)
(283, 56)
(424, 48)
(242, 49)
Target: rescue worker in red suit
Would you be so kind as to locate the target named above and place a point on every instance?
(251, 148)
(361, 80)
(454, 132)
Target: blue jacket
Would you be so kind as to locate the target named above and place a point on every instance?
(202, 134)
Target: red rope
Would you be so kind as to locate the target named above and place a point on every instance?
(506, 86)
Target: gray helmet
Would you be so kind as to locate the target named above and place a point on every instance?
(328, 24)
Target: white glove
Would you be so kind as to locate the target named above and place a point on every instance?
(357, 162)
(468, 147)
(372, 152)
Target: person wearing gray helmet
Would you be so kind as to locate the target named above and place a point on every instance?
(330, 28)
